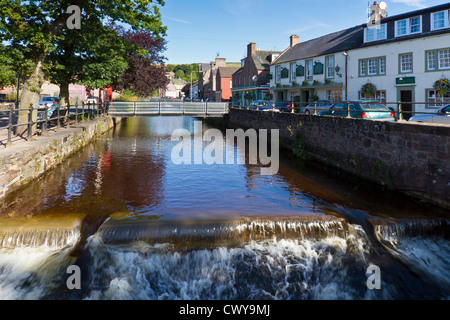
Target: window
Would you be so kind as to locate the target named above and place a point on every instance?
(329, 61)
(437, 60)
(406, 63)
(431, 61)
(408, 26)
(435, 100)
(444, 59)
(415, 25)
(382, 63)
(309, 70)
(334, 95)
(402, 28)
(362, 68)
(277, 74)
(293, 72)
(379, 96)
(372, 66)
(439, 20)
(375, 33)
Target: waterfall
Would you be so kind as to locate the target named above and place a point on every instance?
(220, 233)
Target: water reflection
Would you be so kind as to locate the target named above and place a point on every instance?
(212, 231)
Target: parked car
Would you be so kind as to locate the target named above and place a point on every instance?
(263, 105)
(210, 100)
(322, 105)
(92, 100)
(286, 106)
(370, 110)
(46, 102)
(442, 115)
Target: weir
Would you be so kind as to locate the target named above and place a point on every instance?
(204, 234)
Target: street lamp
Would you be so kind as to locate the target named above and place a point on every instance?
(346, 76)
(17, 90)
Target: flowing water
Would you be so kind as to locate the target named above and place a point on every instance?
(140, 227)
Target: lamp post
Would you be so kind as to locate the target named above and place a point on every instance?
(191, 86)
(17, 90)
(346, 76)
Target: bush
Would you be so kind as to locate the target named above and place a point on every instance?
(127, 96)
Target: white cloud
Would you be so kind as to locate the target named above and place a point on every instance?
(412, 3)
(308, 27)
(178, 20)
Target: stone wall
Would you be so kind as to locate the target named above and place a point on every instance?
(409, 157)
(22, 163)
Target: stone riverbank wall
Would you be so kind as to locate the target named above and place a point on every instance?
(409, 157)
(22, 163)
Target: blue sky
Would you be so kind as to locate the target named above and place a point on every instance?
(198, 30)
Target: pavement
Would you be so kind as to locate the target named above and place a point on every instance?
(21, 139)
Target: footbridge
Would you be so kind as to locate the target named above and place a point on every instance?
(177, 108)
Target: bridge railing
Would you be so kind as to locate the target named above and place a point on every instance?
(153, 108)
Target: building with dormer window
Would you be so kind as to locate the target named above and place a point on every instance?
(403, 56)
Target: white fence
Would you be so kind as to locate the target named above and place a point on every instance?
(148, 109)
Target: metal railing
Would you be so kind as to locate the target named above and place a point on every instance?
(38, 118)
(175, 108)
(397, 108)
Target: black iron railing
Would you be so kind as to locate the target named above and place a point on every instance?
(40, 121)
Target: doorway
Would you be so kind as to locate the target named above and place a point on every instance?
(305, 97)
(279, 96)
(406, 96)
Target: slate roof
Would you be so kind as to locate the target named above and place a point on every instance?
(227, 72)
(262, 59)
(331, 43)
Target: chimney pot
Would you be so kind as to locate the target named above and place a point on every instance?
(294, 40)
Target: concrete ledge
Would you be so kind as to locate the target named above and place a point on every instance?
(28, 160)
(404, 156)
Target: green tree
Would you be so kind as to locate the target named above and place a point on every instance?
(179, 74)
(30, 31)
(7, 74)
(93, 59)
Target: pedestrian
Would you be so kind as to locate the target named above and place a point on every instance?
(53, 108)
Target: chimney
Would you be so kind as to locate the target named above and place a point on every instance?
(294, 40)
(251, 49)
(221, 62)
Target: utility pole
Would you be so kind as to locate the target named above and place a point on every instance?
(191, 86)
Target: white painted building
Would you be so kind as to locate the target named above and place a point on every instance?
(402, 57)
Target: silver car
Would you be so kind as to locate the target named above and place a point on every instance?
(46, 102)
(320, 105)
(441, 116)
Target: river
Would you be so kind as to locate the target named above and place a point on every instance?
(139, 226)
